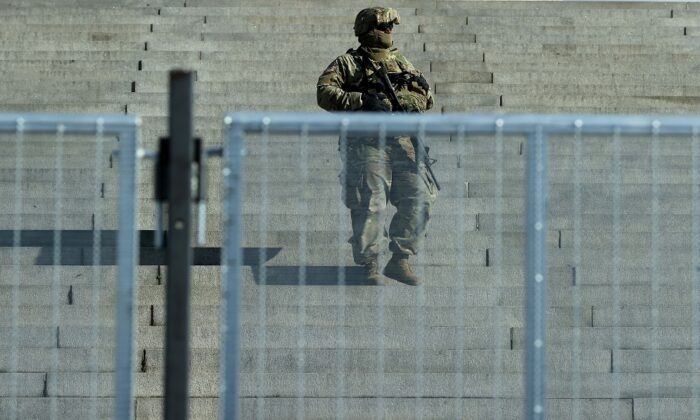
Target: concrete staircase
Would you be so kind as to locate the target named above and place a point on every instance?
(619, 347)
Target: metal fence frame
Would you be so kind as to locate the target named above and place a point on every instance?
(126, 129)
(537, 128)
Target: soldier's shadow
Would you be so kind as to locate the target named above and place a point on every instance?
(309, 275)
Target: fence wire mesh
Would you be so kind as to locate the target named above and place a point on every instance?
(59, 229)
(574, 236)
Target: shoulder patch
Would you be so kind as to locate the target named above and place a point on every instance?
(332, 67)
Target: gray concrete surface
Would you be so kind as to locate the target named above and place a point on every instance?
(458, 341)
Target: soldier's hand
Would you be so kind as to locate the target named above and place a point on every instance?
(420, 80)
(413, 101)
(375, 102)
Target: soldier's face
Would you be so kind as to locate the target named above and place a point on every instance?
(386, 27)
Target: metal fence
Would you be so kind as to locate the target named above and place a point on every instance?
(560, 269)
(284, 225)
(59, 220)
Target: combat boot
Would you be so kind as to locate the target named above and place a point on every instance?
(371, 270)
(400, 270)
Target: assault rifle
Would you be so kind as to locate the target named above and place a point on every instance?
(418, 145)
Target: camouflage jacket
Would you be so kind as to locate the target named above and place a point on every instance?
(341, 85)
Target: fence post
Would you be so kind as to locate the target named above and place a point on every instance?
(178, 250)
(231, 274)
(536, 282)
(127, 260)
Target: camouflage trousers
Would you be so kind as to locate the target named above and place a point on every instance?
(373, 176)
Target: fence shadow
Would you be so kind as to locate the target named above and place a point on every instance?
(77, 248)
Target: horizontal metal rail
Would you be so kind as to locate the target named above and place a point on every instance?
(394, 124)
(73, 124)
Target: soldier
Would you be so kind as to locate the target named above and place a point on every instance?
(380, 170)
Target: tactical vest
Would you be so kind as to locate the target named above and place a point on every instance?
(365, 81)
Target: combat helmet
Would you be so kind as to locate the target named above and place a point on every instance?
(369, 18)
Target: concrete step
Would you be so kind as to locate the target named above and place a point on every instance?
(26, 37)
(627, 191)
(289, 256)
(214, 61)
(96, 56)
(45, 67)
(268, 75)
(209, 276)
(534, 28)
(76, 275)
(394, 408)
(329, 205)
(640, 316)
(298, 64)
(230, 26)
(334, 25)
(667, 224)
(473, 154)
(272, 9)
(610, 24)
(690, 10)
(534, 109)
(320, 408)
(297, 204)
(673, 242)
(441, 253)
(587, 295)
(654, 361)
(71, 10)
(452, 8)
(395, 361)
(251, 43)
(628, 338)
(206, 32)
(76, 108)
(207, 337)
(38, 407)
(613, 58)
(564, 239)
(83, 313)
(81, 19)
(682, 104)
(258, 360)
(648, 408)
(338, 37)
(71, 45)
(177, 57)
(593, 385)
(553, 47)
(602, 89)
(76, 27)
(560, 65)
(34, 359)
(510, 222)
(594, 78)
(394, 294)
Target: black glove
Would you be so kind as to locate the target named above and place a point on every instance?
(375, 102)
(420, 80)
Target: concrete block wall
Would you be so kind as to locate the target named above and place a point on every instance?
(459, 340)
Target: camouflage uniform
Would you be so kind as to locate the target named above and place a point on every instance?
(376, 171)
